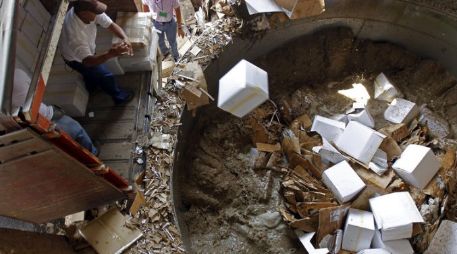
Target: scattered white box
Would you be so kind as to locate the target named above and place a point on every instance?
(384, 90)
(329, 153)
(358, 231)
(242, 89)
(37, 10)
(417, 165)
(341, 118)
(359, 141)
(396, 246)
(305, 239)
(445, 239)
(328, 128)
(379, 163)
(395, 214)
(401, 111)
(343, 181)
(71, 96)
(374, 251)
(364, 117)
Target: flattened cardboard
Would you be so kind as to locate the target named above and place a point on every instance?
(109, 234)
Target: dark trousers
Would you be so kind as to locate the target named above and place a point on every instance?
(99, 76)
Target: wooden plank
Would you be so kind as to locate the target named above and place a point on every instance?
(116, 151)
(50, 185)
(24, 148)
(16, 241)
(14, 137)
(121, 167)
(111, 131)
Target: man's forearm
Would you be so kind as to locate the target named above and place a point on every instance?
(178, 16)
(118, 31)
(91, 61)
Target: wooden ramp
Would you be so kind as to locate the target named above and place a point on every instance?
(39, 182)
(117, 128)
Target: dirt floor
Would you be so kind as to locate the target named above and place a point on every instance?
(233, 208)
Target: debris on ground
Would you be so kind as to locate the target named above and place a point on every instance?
(355, 132)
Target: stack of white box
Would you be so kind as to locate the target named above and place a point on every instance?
(242, 89)
(104, 43)
(138, 27)
(417, 165)
(358, 231)
(343, 181)
(33, 21)
(66, 89)
(395, 214)
(359, 141)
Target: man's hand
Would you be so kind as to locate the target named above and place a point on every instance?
(180, 31)
(129, 45)
(120, 49)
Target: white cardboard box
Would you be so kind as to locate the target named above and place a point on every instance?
(343, 181)
(396, 246)
(358, 231)
(141, 63)
(104, 44)
(71, 96)
(417, 165)
(328, 128)
(395, 214)
(359, 141)
(374, 251)
(445, 239)
(384, 90)
(401, 111)
(242, 89)
(329, 153)
(364, 117)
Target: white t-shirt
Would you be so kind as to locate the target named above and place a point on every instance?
(77, 40)
(20, 90)
(162, 10)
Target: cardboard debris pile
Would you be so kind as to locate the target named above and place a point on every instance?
(352, 187)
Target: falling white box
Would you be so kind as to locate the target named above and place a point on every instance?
(401, 111)
(395, 214)
(417, 165)
(384, 90)
(364, 117)
(242, 89)
(358, 231)
(396, 246)
(359, 141)
(328, 128)
(343, 181)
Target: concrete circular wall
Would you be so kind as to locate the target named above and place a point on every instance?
(421, 29)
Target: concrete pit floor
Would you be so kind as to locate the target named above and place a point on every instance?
(232, 208)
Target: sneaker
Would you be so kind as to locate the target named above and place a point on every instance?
(129, 96)
(96, 145)
(176, 59)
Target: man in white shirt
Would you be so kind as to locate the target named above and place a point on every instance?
(62, 121)
(77, 44)
(163, 14)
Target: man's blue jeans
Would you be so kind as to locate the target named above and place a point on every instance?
(76, 131)
(100, 76)
(169, 29)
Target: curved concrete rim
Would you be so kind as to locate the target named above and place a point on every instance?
(423, 30)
